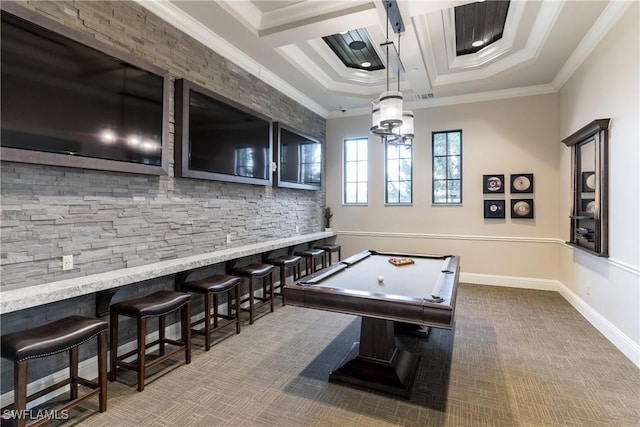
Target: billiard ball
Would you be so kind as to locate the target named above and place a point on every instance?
(380, 279)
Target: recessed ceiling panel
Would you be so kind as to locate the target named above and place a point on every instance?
(355, 50)
(479, 24)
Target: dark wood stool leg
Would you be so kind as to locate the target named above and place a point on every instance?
(73, 373)
(20, 392)
(102, 370)
(113, 331)
(207, 321)
(142, 331)
(216, 303)
(161, 333)
(251, 300)
(186, 331)
(283, 281)
(271, 293)
(237, 306)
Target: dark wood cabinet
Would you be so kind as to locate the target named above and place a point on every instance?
(589, 207)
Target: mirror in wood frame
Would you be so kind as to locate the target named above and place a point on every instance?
(589, 208)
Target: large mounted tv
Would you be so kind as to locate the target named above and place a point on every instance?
(218, 139)
(69, 100)
(299, 159)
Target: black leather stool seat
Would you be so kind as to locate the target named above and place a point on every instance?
(328, 250)
(211, 287)
(216, 283)
(52, 338)
(310, 259)
(66, 334)
(284, 262)
(158, 304)
(257, 271)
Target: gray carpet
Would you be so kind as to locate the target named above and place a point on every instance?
(516, 358)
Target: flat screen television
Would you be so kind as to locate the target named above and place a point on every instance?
(69, 100)
(299, 159)
(218, 139)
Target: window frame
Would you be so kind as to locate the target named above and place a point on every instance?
(447, 179)
(345, 163)
(386, 177)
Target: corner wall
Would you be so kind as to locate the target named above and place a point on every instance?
(607, 85)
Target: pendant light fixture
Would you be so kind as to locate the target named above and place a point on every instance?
(389, 121)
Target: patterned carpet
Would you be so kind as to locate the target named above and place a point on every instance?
(516, 358)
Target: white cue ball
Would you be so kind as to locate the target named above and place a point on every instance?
(380, 279)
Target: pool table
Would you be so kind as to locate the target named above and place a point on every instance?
(367, 284)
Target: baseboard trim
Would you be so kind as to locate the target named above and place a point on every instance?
(606, 328)
(625, 344)
(510, 281)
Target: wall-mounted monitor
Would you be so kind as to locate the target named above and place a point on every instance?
(299, 159)
(219, 139)
(69, 100)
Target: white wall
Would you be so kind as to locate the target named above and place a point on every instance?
(520, 135)
(607, 86)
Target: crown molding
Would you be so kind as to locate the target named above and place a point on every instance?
(183, 22)
(495, 95)
(606, 21)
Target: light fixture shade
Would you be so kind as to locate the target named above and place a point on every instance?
(375, 114)
(391, 109)
(406, 130)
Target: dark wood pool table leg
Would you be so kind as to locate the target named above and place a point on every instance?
(376, 363)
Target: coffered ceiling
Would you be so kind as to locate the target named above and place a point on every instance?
(281, 42)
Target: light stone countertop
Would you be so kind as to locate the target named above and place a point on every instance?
(32, 296)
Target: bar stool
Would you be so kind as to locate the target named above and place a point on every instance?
(311, 258)
(253, 272)
(158, 304)
(211, 288)
(284, 262)
(328, 251)
(66, 334)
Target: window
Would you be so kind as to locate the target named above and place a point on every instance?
(447, 167)
(398, 173)
(356, 178)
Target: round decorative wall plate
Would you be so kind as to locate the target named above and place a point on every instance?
(494, 184)
(521, 208)
(591, 182)
(521, 183)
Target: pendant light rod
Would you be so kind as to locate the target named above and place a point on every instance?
(389, 121)
(387, 44)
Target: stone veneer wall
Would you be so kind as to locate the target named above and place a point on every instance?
(111, 220)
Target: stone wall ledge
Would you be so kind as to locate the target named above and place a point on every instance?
(19, 298)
